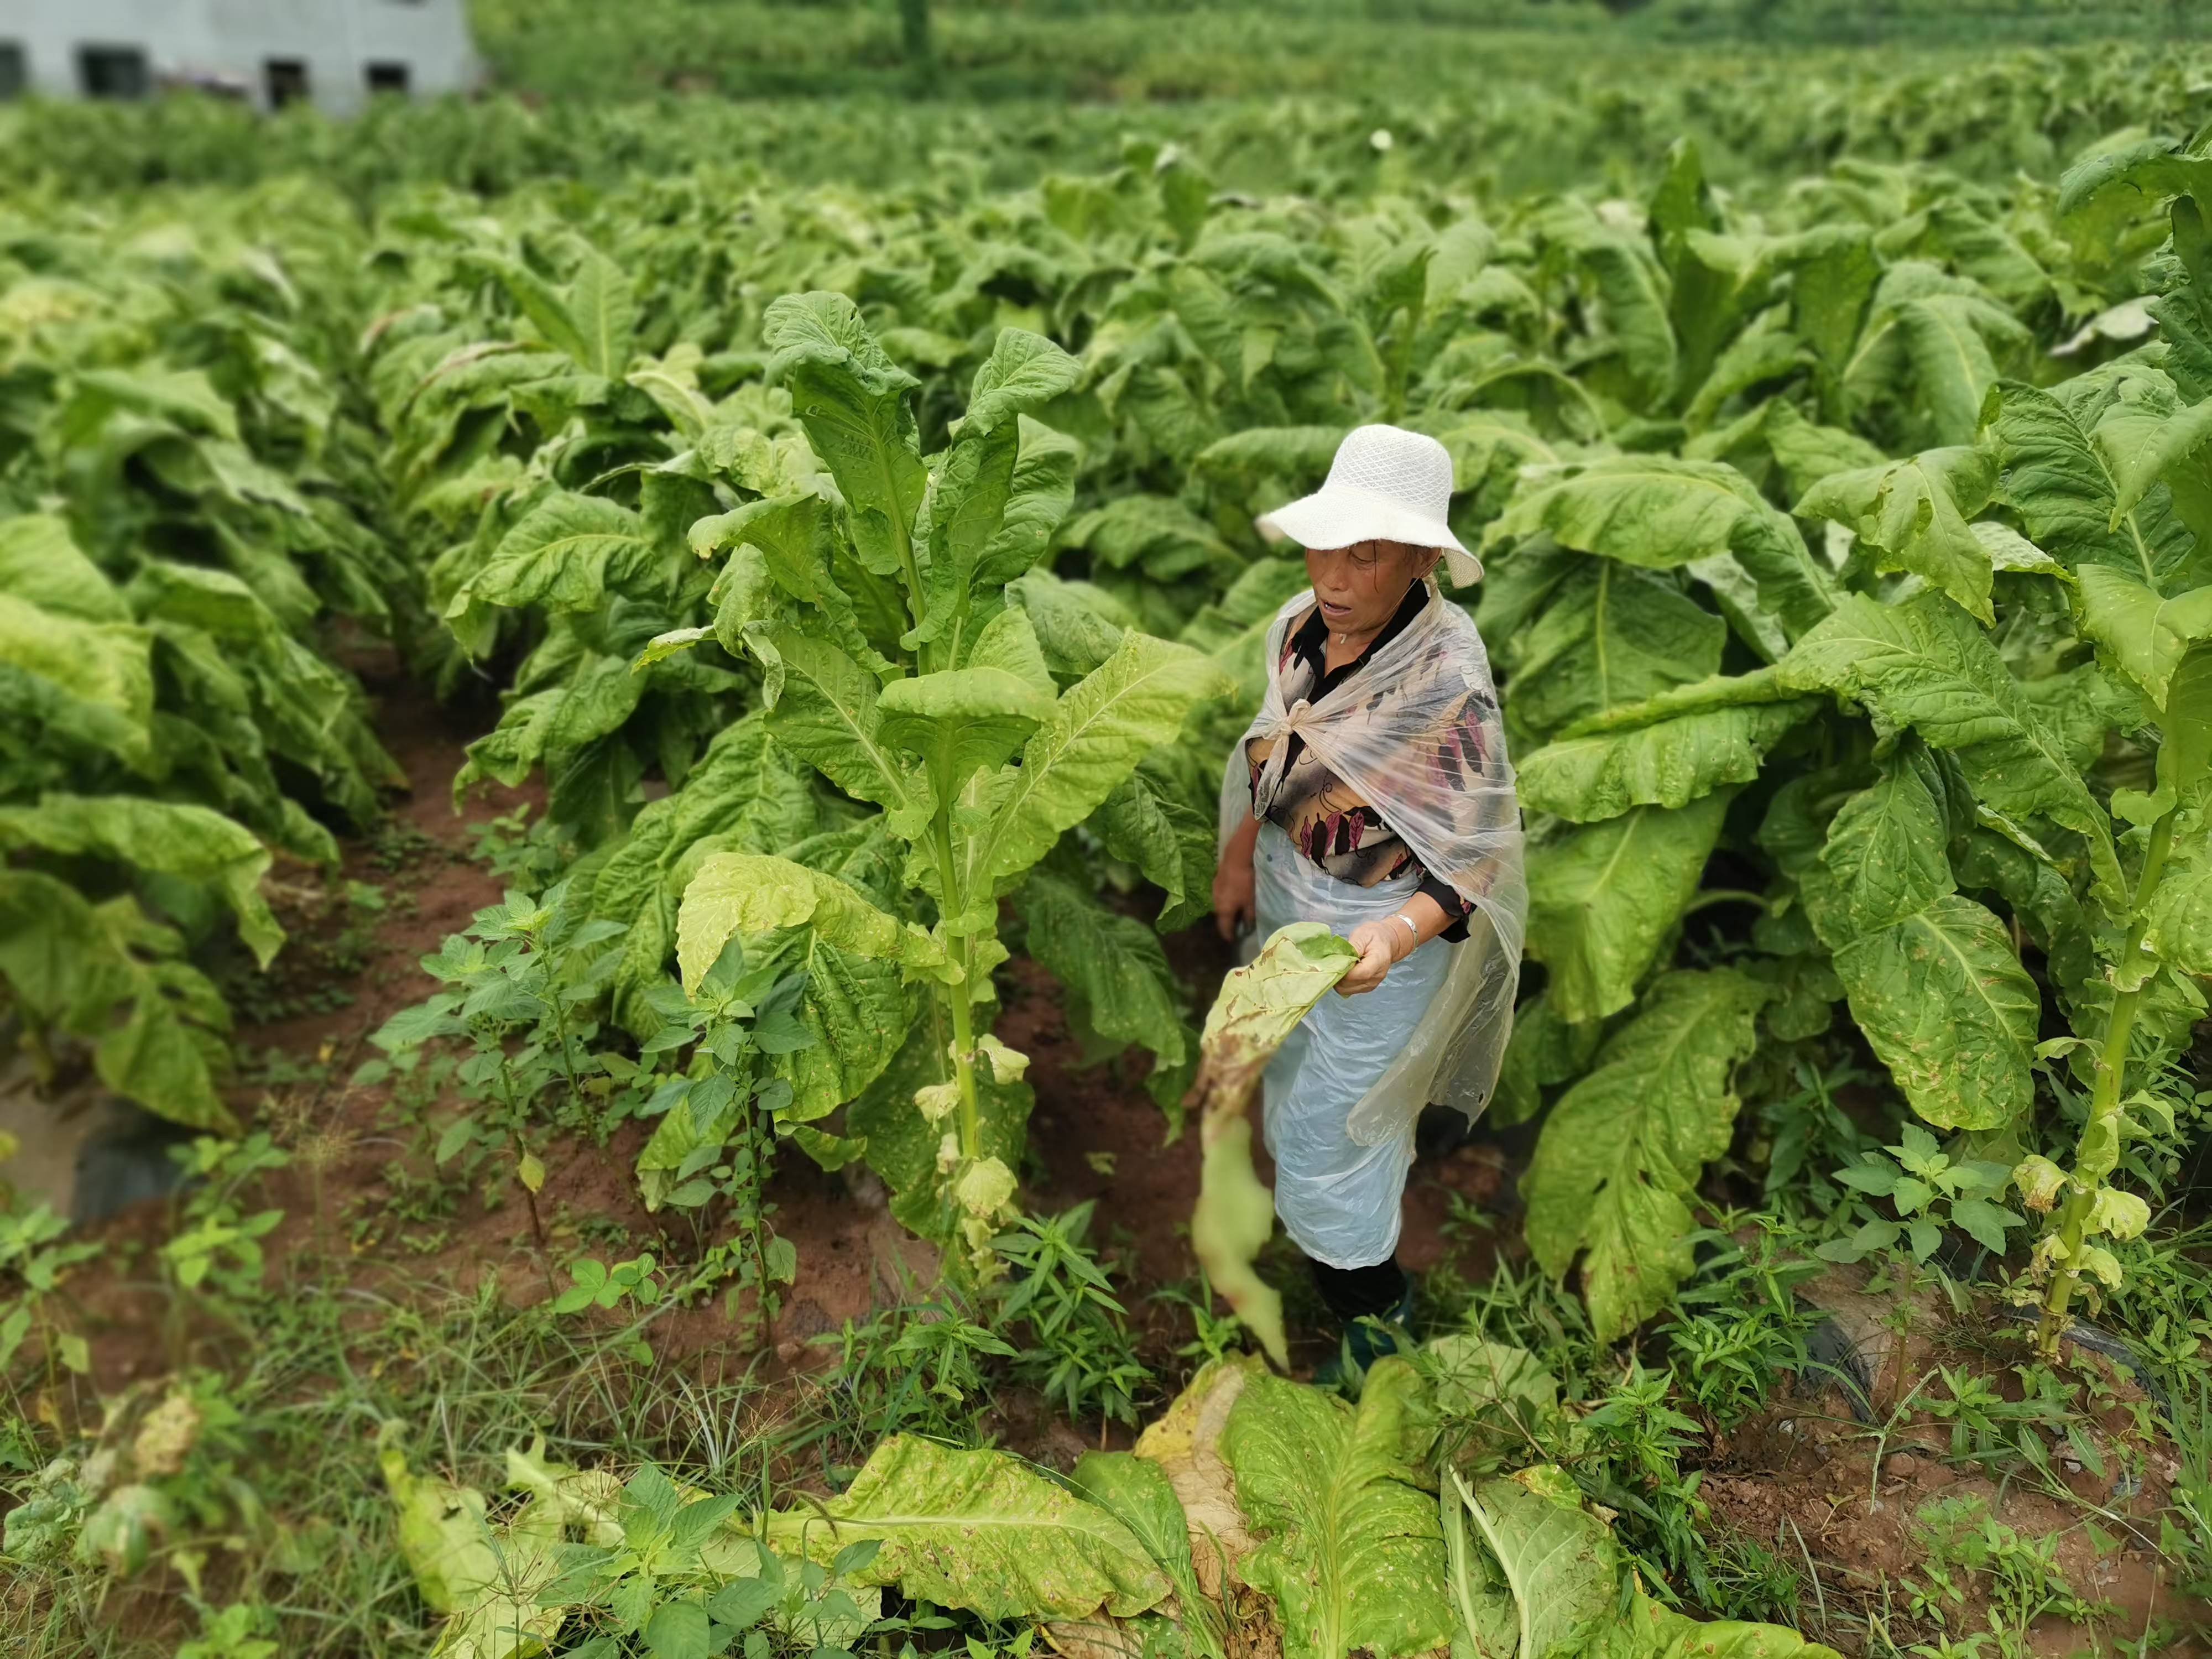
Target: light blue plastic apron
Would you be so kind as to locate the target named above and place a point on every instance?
(1339, 1202)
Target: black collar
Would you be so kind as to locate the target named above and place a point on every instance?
(1310, 643)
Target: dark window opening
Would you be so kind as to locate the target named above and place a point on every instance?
(111, 71)
(14, 69)
(388, 77)
(286, 79)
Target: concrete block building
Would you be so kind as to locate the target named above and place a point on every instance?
(337, 53)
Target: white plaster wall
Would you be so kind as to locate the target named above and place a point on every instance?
(172, 31)
(338, 40)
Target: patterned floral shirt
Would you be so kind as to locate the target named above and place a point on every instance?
(1325, 818)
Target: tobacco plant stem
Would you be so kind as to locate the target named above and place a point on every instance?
(2104, 1097)
(963, 1064)
(911, 570)
(962, 995)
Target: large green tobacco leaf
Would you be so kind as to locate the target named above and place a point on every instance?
(1631, 286)
(745, 794)
(1603, 898)
(790, 534)
(1932, 979)
(2049, 910)
(1649, 510)
(492, 1583)
(566, 554)
(1607, 635)
(1114, 971)
(1623, 1149)
(553, 728)
(2063, 482)
(1044, 484)
(960, 720)
(1653, 1630)
(856, 1010)
(1273, 451)
(1559, 1564)
(737, 895)
(1138, 1493)
(1666, 751)
(1943, 1001)
(973, 487)
(2146, 636)
(1914, 513)
(1538, 1575)
(2146, 434)
(979, 1530)
(1169, 842)
(1946, 340)
(1101, 727)
(41, 564)
(1261, 1003)
(93, 681)
(2178, 925)
(188, 841)
(822, 707)
(295, 704)
(72, 966)
(852, 399)
(1886, 856)
(2083, 706)
(2184, 749)
(1353, 1553)
(2144, 167)
(2179, 929)
(1925, 665)
(603, 303)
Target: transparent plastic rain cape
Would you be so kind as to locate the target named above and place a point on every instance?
(1417, 732)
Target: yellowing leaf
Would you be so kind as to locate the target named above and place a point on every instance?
(979, 1530)
(1259, 1006)
(738, 894)
(1354, 1553)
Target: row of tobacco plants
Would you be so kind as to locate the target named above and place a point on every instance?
(187, 495)
(871, 581)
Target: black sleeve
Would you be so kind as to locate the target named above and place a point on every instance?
(1449, 901)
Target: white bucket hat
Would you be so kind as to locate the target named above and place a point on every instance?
(1385, 484)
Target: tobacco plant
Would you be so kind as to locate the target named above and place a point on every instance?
(895, 664)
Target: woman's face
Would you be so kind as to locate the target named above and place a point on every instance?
(1361, 586)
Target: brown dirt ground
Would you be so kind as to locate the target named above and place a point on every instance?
(1800, 1480)
(1807, 1480)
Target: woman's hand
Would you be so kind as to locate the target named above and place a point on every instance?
(1232, 881)
(1382, 945)
(1385, 943)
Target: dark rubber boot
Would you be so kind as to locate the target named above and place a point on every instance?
(1365, 1342)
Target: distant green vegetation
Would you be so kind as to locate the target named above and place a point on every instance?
(1148, 49)
(1526, 111)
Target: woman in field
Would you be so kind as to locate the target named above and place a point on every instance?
(1373, 793)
